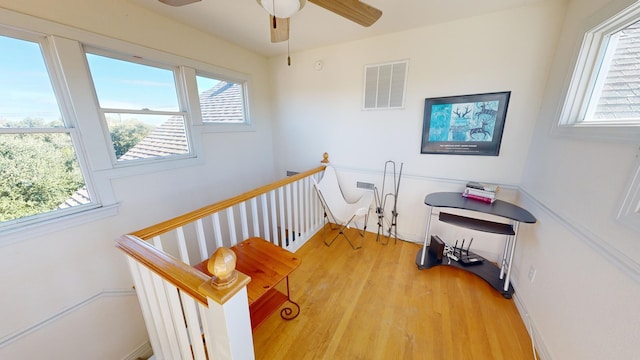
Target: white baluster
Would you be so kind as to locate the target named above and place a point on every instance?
(182, 246)
(160, 313)
(145, 307)
(157, 242)
(306, 207)
(295, 228)
(202, 241)
(243, 220)
(233, 238)
(254, 217)
(179, 328)
(282, 218)
(190, 307)
(217, 231)
(289, 217)
(265, 216)
(274, 217)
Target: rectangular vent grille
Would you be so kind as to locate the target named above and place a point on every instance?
(365, 185)
(385, 85)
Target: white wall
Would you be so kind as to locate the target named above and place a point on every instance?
(318, 111)
(68, 295)
(581, 305)
(584, 301)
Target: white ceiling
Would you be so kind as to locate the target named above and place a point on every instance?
(246, 23)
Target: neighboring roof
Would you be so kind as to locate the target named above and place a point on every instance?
(80, 197)
(620, 98)
(222, 103)
(168, 138)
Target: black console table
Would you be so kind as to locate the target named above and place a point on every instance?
(489, 272)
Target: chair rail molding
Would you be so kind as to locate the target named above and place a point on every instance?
(8, 339)
(620, 260)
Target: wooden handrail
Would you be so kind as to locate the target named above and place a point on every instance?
(185, 277)
(163, 227)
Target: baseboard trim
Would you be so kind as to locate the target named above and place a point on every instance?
(4, 341)
(144, 351)
(538, 343)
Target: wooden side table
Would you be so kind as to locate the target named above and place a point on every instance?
(267, 265)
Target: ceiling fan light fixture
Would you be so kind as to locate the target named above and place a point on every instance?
(282, 8)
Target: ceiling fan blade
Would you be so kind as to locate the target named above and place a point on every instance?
(281, 30)
(354, 10)
(178, 2)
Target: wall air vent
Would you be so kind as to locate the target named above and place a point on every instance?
(385, 85)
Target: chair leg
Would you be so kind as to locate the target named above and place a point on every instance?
(341, 232)
(324, 233)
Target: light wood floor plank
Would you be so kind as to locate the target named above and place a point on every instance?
(374, 303)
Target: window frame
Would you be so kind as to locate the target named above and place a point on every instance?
(29, 224)
(63, 50)
(246, 125)
(182, 104)
(583, 81)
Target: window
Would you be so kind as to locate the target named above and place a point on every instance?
(615, 98)
(221, 101)
(40, 173)
(603, 99)
(79, 109)
(140, 107)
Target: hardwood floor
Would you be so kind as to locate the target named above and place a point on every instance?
(373, 303)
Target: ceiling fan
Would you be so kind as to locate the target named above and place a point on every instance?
(281, 10)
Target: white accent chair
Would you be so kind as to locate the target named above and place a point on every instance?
(338, 211)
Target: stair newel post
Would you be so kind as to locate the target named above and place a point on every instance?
(227, 324)
(325, 159)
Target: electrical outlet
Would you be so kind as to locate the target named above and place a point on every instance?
(364, 185)
(532, 273)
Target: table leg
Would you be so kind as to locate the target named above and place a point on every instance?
(426, 236)
(511, 253)
(289, 313)
(505, 254)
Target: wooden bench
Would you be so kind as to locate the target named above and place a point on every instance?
(267, 265)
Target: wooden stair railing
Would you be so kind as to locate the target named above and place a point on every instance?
(186, 316)
(192, 216)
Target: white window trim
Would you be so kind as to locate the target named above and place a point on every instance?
(65, 45)
(35, 226)
(196, 113)
(590, 56)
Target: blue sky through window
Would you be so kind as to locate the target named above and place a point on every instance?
(25, 87)
(26, 90)
(128, 85)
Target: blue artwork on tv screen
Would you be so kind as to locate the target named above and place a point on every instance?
(440, 122)
(467, 125)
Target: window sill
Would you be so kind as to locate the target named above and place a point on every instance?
(224, 127)
(19, 232)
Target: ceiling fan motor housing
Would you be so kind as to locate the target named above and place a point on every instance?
(282, 8)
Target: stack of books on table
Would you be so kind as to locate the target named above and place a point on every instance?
(481, 192)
